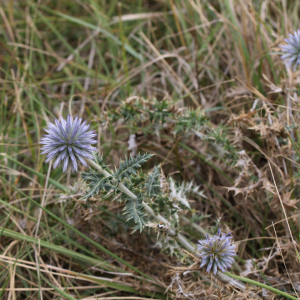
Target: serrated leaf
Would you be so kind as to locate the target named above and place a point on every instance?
(95, 188)
(96, 182)
(193, 119)
(129, 166)
(180, 192)
(135, 211)
(87, 176)
(153, 183)
(99, 160)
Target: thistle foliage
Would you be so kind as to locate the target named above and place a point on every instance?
(164, 195)
(96, 182)
(191, 119)
(127, 174)
(130, 165)
(153, 183)
(165, 116)
(134, 210)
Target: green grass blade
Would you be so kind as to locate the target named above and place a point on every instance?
(128, 48)
(79, 233)
(52, 247)
(264, 286)
(42, 176)
(60, 234)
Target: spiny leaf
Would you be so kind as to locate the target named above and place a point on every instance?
(95, 188)
(193, 119)
(135, 211)
(130, 111)
(96, 182)
(169, 244)
(153, 184)
(180, 192)
(129, 166)
(99, 160)
(160, 111)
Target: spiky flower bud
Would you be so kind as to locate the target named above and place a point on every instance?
(292, 50)
(68, 140)
(217, 252)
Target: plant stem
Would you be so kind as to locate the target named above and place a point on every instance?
(264, 286)
(220, 276)
(224, 278)
(148, 209)
(195, 226)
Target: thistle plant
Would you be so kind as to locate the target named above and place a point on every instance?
(292, 50)
(67, 141)
(166, 115)
(150, 200)
(217, 252)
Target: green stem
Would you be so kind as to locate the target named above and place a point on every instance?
(148, 209)
(223, 277)
(194, 225)
(264, 286)
(186, 244)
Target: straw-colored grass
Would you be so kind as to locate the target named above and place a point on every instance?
(138, 68)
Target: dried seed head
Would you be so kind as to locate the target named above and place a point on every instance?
(68, 140)
(217, 252)
(292, 50)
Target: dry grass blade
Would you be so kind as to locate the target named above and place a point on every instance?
(284, 261)
(286, 219)
(200, 84)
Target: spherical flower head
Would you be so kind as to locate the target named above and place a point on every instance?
(217, 252)
(67, 141)
(292, 50)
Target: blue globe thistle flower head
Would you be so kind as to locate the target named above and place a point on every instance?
(292, 50)
(68, 141)
(217, 252)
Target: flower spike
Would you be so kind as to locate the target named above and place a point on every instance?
(68, 140)
(292, 50)
(217, 252)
